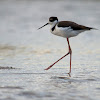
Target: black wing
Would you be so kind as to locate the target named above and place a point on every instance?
(73, 25)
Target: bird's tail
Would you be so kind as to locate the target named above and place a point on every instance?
(91, 28)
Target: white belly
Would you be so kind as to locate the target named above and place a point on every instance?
(66, 32)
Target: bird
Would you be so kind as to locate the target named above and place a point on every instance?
(66, 29)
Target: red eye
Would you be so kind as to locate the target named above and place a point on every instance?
(51, 20)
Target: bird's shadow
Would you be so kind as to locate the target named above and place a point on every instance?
(72, 79)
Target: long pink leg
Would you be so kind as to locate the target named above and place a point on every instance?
(70, 52)
(57, 61)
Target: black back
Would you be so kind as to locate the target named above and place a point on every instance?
(73, 25)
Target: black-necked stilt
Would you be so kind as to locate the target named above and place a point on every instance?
(65, 29)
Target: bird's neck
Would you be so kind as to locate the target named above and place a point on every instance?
(53, 25)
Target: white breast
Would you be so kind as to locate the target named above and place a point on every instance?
(66, 32)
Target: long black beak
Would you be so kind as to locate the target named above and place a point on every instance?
(43, 26)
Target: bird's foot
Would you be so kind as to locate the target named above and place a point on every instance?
(69, 74)
(48, 67)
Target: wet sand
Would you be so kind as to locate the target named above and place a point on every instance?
(25, 51)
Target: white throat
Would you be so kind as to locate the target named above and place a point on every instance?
(53, 23)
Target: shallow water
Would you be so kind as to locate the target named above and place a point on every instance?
(25, 51)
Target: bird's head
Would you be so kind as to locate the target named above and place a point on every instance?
(52, 20)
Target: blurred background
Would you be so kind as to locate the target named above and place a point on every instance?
(25, 51)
